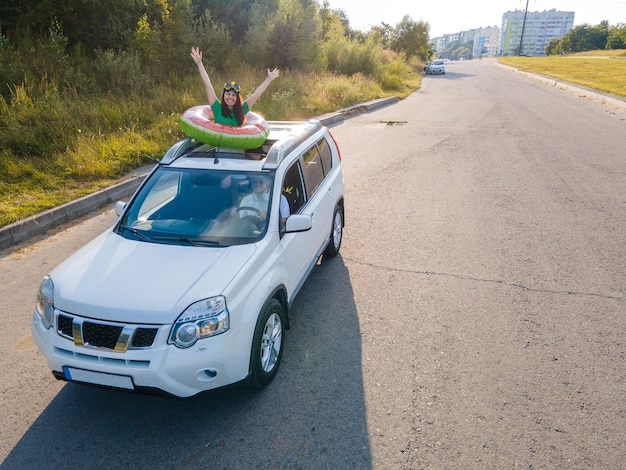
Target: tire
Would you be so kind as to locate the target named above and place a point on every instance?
(267, 344)
(336, 234)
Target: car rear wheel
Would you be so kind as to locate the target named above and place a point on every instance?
(336, 234)
(267, 344)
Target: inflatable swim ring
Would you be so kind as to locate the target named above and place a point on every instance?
(197, 122)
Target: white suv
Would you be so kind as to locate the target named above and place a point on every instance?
(190, 290)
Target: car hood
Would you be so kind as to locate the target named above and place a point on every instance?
(116, 279)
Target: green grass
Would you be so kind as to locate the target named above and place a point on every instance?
(600, 70)
(58, 145)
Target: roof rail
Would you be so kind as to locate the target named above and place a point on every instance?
(295, 135)
(179, 149)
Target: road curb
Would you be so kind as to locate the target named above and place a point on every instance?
(577, 90)
(351, 111)
(38, 224)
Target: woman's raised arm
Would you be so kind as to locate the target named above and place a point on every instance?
(271, 75)
(196, 55)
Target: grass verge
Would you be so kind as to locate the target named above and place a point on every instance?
(601, 70)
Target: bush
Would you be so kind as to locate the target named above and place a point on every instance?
(35, 125)
(393, 75)
(120, 73)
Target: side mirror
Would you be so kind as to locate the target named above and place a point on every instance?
(119, 208)
(298, 223)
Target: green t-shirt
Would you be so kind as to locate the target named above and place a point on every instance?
(219, 118)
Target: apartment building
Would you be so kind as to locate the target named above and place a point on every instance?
(441, 43)
(540, 28)
(486, 42)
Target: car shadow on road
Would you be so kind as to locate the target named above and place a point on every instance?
(311, 416)
(452, 75)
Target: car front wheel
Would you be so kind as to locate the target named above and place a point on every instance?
(267, 344)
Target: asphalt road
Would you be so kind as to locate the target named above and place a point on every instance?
(475, 318)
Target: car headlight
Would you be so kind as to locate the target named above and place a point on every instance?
(45, 306)
(208, 317)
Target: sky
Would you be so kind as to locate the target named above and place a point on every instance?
(453, 16)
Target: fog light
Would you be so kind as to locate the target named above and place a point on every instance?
(206, 375)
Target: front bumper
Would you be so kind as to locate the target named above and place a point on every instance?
(210, 363)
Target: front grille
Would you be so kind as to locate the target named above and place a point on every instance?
(114, 337)
(65, 326)
(98, 335)
(144, 337)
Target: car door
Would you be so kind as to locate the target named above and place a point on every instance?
(323, 189)
(299, 248)
(316, 203)
(311, 186)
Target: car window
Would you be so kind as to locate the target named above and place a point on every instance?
(327, 160)
(293, 188)
(313, 170)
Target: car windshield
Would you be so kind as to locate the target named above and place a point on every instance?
(199, 207)
(438, 62)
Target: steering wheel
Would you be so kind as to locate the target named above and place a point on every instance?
(256, 218)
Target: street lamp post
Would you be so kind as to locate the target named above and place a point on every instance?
(521, 40)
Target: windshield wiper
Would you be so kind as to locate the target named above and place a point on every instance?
(135, 232)
(191, 241)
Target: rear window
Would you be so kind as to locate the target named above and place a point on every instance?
(313, 170)
(327, 157)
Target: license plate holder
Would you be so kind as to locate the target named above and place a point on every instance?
(98, 378)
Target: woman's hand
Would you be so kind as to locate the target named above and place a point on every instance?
(196, 55)
(273, 74)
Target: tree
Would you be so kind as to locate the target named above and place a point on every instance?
(285, 43)
(92, 24)
(212, 39)
(147, 41)
(456, 50)
(255, 45)
(463, 52)
(411, 38)
(586, 38)
(384, 33)
(554, 47)
(235, 15)
(294, 36)
(616, 38)
(597, 36)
